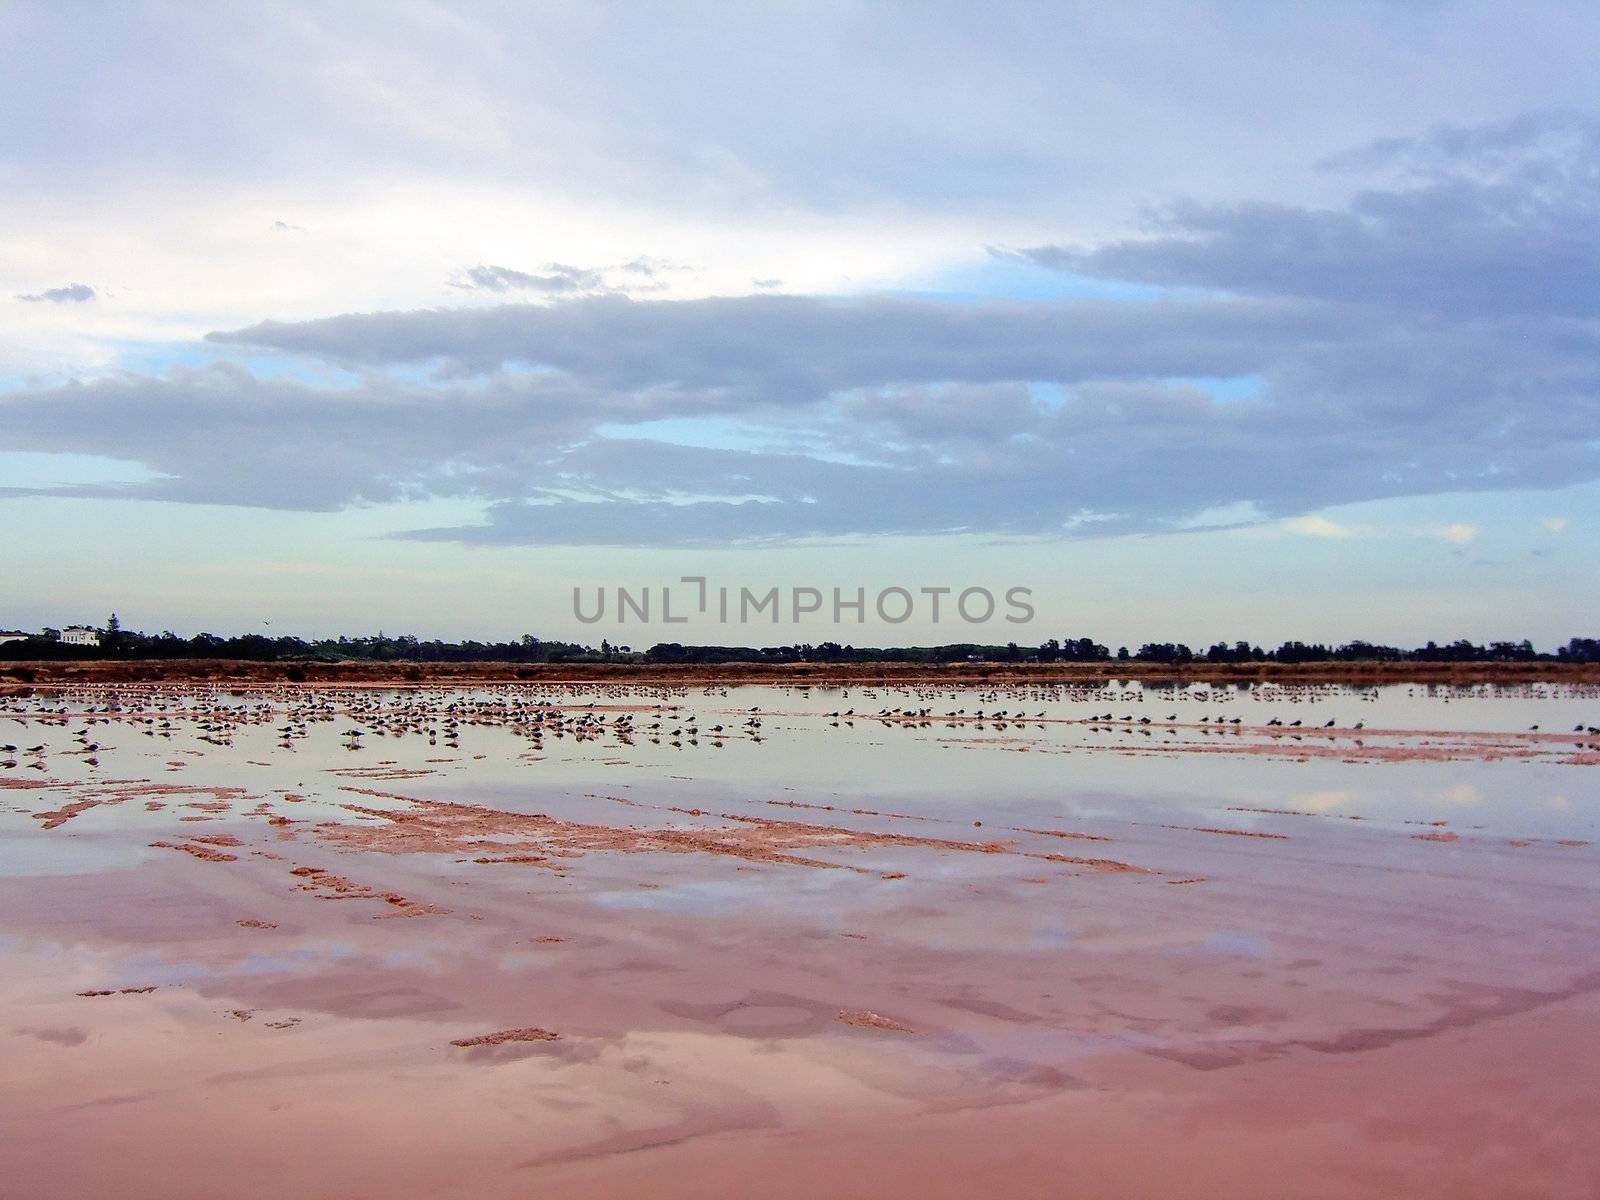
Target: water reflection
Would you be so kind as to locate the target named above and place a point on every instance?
(744, 913)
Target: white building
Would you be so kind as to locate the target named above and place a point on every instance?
(80, 635)
(12, 635)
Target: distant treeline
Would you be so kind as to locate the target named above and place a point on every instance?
(119, 643)
(1585, 650)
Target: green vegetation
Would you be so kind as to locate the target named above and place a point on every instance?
(119, 643)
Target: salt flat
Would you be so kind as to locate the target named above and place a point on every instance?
(539, 939)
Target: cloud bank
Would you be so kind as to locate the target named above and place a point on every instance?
(1438, 332)
(555, 279)
(72, 293)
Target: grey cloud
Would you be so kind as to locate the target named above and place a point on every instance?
(1497, 222)
(72, 293)
(652, 268)
(1138, 457)
(558, 279)
(801, 346)
(1376, 412)
(766, 109)
(1500, 151)
(1438, 334)
(226, 437)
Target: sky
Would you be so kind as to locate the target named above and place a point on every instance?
(1199, 321)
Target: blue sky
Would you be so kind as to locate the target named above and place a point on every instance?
(1201, 320)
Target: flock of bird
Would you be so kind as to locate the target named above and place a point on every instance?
(540, 713)
(1001, 720)
(438, 718)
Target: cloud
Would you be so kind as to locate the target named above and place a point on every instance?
(815, 343)
(1314, 525)
(1458, 534)
(220, 435)
(1555, 524)
(838, 435)
(777, 107)
(557, 279)
(72, 293)
(654, 268)
(1496, 222)
(796, 416)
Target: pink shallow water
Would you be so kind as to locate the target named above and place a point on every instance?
(1321, 976)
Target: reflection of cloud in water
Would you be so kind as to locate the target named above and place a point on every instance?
(1050, 936)
(707, 896)
(750, 888)
(282, 963)
(66, 1036)
(1236, 941)
(1323, 801)
(40, 855)
(144, 969)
